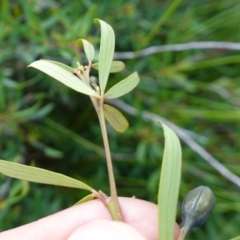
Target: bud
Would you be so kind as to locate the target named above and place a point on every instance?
(196, 207)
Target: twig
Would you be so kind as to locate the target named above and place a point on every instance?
(178, 47)
(184, 136)
(226, 95)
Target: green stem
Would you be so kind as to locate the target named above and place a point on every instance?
(112, 203)
(183, 232)
(156, 29)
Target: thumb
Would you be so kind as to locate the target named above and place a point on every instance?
(107, 230)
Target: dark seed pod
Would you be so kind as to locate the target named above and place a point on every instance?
(196, 207)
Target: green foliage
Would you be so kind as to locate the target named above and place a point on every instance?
(88, 48)
(116, 66)
(80, 80)
(123, 87)
(106, 52)
(237, 238)
(60, 73)
(169, 184)
(115, 118)
(39, 175)
(56, 127)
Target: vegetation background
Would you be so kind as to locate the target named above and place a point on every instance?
(44, 123)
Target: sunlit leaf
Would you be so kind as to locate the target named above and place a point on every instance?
(88, 48)
(63, 74)
(115, 118)
(39, 175)
(62, 65)
(169, 184)
(123, 87)
(116, 66)
(107, 45)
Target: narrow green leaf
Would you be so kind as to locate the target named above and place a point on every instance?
(115, 118)
(63, 74)
(62, 65)
(15, 194)
(25, 113)
(21, 193)
(236, 238)
(116, 66)
(107, 45)
(85, 199)
(123, 87)
(43, 111)
(88, 48)
(169, 184)
(39, 175)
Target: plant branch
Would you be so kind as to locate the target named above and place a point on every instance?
(184, 136)
(178, 47)
(112, 203)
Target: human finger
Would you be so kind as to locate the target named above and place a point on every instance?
(140, 214)
(107, 230)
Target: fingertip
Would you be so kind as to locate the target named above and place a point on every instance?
(143, 216)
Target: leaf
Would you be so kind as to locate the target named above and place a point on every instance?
(72, 136)
(169, 184)
(107, 45)
(123, 87)
(236, 238)
(115, 118)
(39, 175)
(85, 199)
(62, 65)
(25, 113)
(22, 191)
(88, 48)
(116, 66)
(16, 193)
(63, 74)
(42, 112)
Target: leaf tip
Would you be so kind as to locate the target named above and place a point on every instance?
(31, 64)
(79, 42)
(96, 20)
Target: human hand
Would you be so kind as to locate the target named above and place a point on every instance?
(91, 220)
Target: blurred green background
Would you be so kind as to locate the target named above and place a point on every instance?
(43, 123)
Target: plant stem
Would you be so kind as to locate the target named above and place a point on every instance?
(156, 28)
(112, 204)
(183, 234)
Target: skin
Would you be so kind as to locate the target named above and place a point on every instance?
(92, 220)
